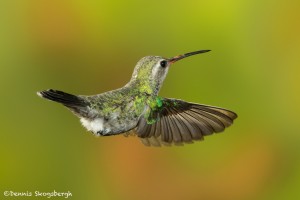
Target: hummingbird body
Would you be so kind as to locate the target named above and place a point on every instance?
(137, 107)
(115, 111)
(118, 111)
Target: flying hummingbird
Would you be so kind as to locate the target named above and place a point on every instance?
(137, 109)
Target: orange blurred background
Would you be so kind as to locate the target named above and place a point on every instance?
(89, 47)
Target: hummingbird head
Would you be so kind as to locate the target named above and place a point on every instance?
(151, 71)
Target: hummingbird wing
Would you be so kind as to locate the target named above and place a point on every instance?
(176, 121)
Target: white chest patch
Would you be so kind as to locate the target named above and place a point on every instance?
(95, 125)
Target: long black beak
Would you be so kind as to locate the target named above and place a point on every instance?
(176, 58)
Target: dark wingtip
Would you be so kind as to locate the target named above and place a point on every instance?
(234, 115)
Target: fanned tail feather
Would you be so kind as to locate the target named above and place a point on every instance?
(66, 99)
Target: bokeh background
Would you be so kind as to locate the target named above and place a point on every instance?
(88, 47)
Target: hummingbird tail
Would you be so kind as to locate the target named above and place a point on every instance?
(66, 99)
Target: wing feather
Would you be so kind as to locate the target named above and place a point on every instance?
(181, 122)
(183, 126)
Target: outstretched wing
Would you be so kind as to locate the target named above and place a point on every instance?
(176, 121)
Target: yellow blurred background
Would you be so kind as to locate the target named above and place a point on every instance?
(88, 47)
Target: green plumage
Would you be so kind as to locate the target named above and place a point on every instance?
(137, 107)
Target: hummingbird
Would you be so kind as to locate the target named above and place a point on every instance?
(136, 108)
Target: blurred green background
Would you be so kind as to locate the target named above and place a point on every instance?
(88, 47)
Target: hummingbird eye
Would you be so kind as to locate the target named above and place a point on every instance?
(163, 63)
